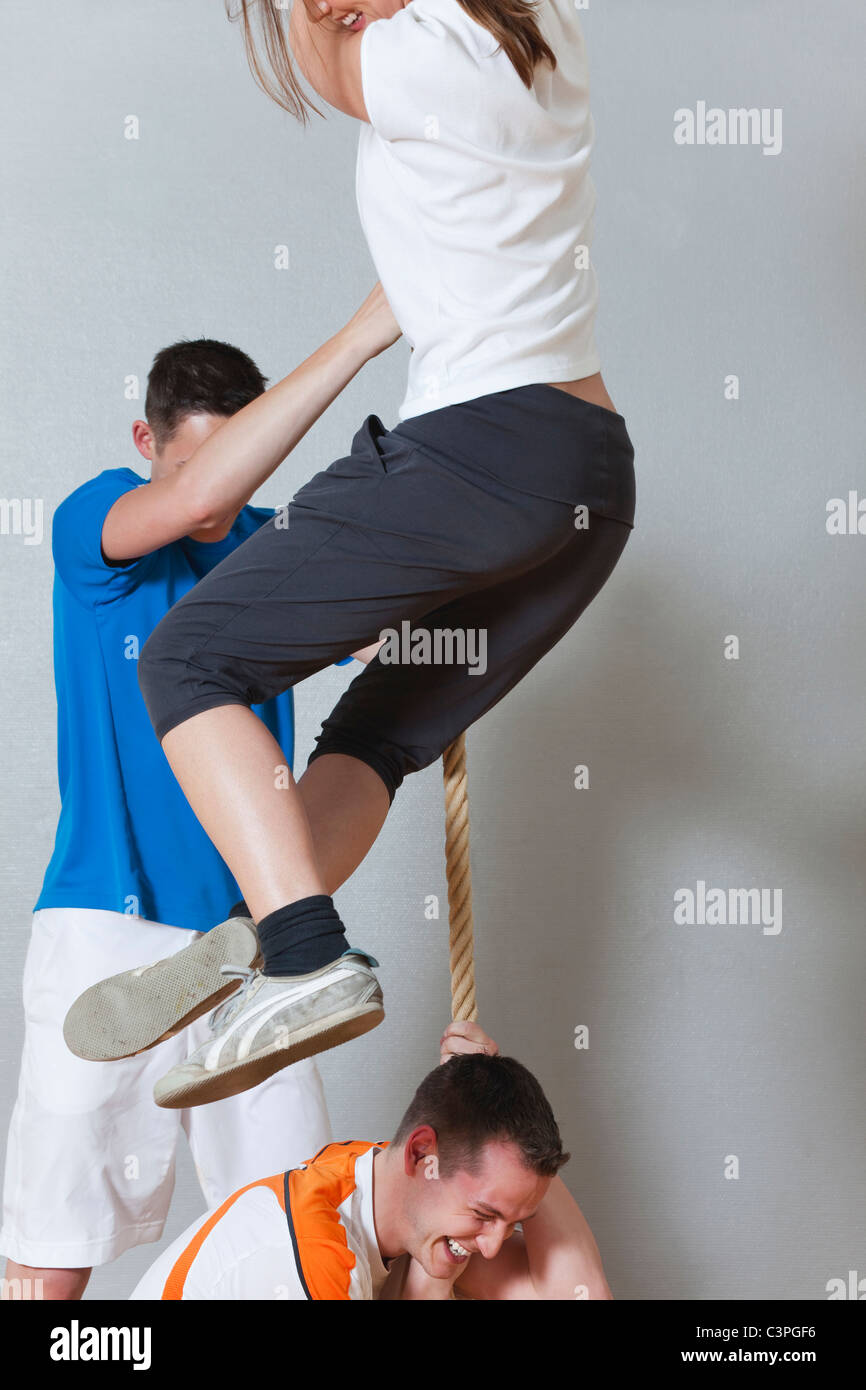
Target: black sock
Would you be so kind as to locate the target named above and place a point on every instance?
(240, 910)
(301, 936)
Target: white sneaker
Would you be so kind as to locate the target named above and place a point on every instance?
(135, 1010)
(274, 1021)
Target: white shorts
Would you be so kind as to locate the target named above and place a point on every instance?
(90, 1160)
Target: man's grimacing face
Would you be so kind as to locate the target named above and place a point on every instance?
(450, 1219)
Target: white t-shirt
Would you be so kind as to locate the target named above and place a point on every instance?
(476, 201)
(305, 1234)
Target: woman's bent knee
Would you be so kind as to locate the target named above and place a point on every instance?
(175, 686)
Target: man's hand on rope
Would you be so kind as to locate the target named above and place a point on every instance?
(462, 1036)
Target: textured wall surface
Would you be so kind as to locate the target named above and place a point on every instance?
(714, 690)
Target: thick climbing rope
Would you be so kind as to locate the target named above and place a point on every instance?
(459, 875)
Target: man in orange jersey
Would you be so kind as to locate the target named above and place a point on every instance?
(430, 1214)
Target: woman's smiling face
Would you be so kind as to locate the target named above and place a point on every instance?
(358, 16)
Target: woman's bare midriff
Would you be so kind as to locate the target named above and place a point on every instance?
(588, 388)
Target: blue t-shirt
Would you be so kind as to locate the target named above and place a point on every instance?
(128, 840)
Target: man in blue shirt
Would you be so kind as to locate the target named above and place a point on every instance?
(133, 878)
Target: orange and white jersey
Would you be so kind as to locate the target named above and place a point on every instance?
(304, 1234)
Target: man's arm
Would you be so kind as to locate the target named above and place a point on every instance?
(224, 473)
(555, 1257)
(328, 55)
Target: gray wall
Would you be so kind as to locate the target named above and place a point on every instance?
(705, 1040)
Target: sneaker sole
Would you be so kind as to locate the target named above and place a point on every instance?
(242, 1076)
(128, 1013)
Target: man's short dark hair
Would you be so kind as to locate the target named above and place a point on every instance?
(200, 377)
(473, 1100)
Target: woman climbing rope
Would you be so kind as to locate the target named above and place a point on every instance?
(499, 505)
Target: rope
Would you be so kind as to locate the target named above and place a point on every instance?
(459, 875)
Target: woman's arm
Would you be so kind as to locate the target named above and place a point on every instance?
(227, 469)
(328, 55)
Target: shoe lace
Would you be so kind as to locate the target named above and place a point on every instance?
(224, 1011)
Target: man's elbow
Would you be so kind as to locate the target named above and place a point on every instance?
(587, 1286)
(579, 1293)
(596, 1288)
